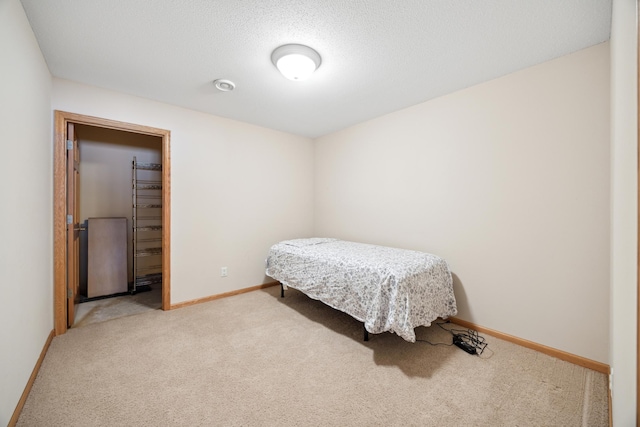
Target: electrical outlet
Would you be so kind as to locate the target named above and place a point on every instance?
(223, 272)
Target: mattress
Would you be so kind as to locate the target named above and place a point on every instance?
(388, 289)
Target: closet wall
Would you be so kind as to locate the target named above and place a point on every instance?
(105, 173)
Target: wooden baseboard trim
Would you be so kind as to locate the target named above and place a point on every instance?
(27, 389)
(554, 352)
(224, 295)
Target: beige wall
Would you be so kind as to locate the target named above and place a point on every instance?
(624, 203)
(235, 188)
(106, 173)
(507, 180)
(26, 263)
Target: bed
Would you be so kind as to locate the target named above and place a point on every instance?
(388, 289)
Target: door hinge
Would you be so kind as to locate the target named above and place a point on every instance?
(69, 144)
(69, 293)
(69, 219)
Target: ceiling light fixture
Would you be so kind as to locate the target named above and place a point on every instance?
(224, 85)
(296, 61)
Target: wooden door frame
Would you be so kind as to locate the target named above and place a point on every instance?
(60, 210)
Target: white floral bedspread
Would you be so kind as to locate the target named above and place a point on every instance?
(388, 289)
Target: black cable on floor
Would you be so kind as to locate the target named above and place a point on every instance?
(472, 342)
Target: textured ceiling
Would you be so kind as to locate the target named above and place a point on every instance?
(378, 56)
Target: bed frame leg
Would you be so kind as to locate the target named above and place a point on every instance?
(366, 333)
(281, 290)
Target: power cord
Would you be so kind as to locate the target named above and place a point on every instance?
(468, 340)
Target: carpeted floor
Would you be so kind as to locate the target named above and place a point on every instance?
(101, 310)
(258, 360)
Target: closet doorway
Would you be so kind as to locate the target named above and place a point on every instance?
(108, 144)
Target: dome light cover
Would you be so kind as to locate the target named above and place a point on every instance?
(295, 61)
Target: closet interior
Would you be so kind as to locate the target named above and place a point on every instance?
(120, 207)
